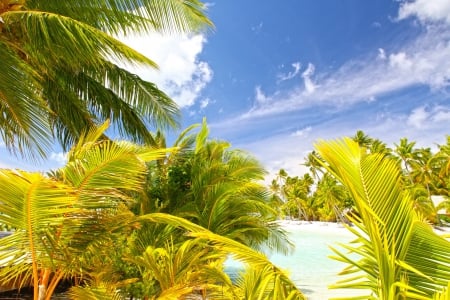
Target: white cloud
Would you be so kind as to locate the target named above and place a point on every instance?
(302, 132)
(399, 60)
(443, 115)
(60, 158)
(381, 54)
(426, 10)
(260, 97)
(418, 117)
(290, 75)
(204, 103)
(423, 62)
(423, 117)
(287, 151)
(376, 25)
(181, 74)
(310, 87)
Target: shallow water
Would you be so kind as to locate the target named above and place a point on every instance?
(309, 266)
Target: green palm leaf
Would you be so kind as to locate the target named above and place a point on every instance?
(117, 16)
(22, 122)
(35, 207)
(400, 256)
(58, 78)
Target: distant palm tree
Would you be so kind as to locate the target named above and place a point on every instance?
(312, 161)
(362, 139)
(406, 152)
(378, 146)
(59, 75)
(332, 197)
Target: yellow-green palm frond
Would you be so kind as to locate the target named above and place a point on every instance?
(283, 288)
(398, 253)
(119, 16)
(51, 40)
(103, 170)
(100, 292)
(35, 207)
(263, 283)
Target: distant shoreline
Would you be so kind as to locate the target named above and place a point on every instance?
(320, 226)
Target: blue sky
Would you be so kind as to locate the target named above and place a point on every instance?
(274, 77)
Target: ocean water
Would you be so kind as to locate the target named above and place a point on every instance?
(309, 266)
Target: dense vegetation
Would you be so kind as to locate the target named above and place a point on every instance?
(97, 223)
(139, 220)
(317, 195)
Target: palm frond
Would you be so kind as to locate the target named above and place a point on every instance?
(35, 207)
(23, 124)
(227, 246)
(393, 241)
(50, 39)
(118, 16)
(82, 98)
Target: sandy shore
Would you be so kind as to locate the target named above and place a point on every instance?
(317, 226)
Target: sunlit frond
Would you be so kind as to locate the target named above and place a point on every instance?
(398, 253)
(127, 16)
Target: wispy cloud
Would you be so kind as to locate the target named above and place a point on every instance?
(302, 132)
(290, 75)
(310, 87)
(181, 74)
(424, 62)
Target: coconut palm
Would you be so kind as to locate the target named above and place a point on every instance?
(332, 197)
(59, 73)
(312, 161)
(362, 139)
(51, 216)
(272, 282)
(378, 146)
(74, 225)
(405, 151)
(400, 257)
(218, 188)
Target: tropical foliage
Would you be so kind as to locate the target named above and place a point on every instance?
(77, 225)
(399, 255)
(59, 73)
(424, 173)
(216, 187)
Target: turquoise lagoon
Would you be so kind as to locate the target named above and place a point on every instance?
(309, 266)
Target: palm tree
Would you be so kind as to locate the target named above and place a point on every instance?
(217, 187)
(59, 75)
(51, 216)
(312, 161)
(332, 196)
(378, 146)
(297, 192)
(362, 139)
(74, 225)
(406, 152)
(400, 257)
